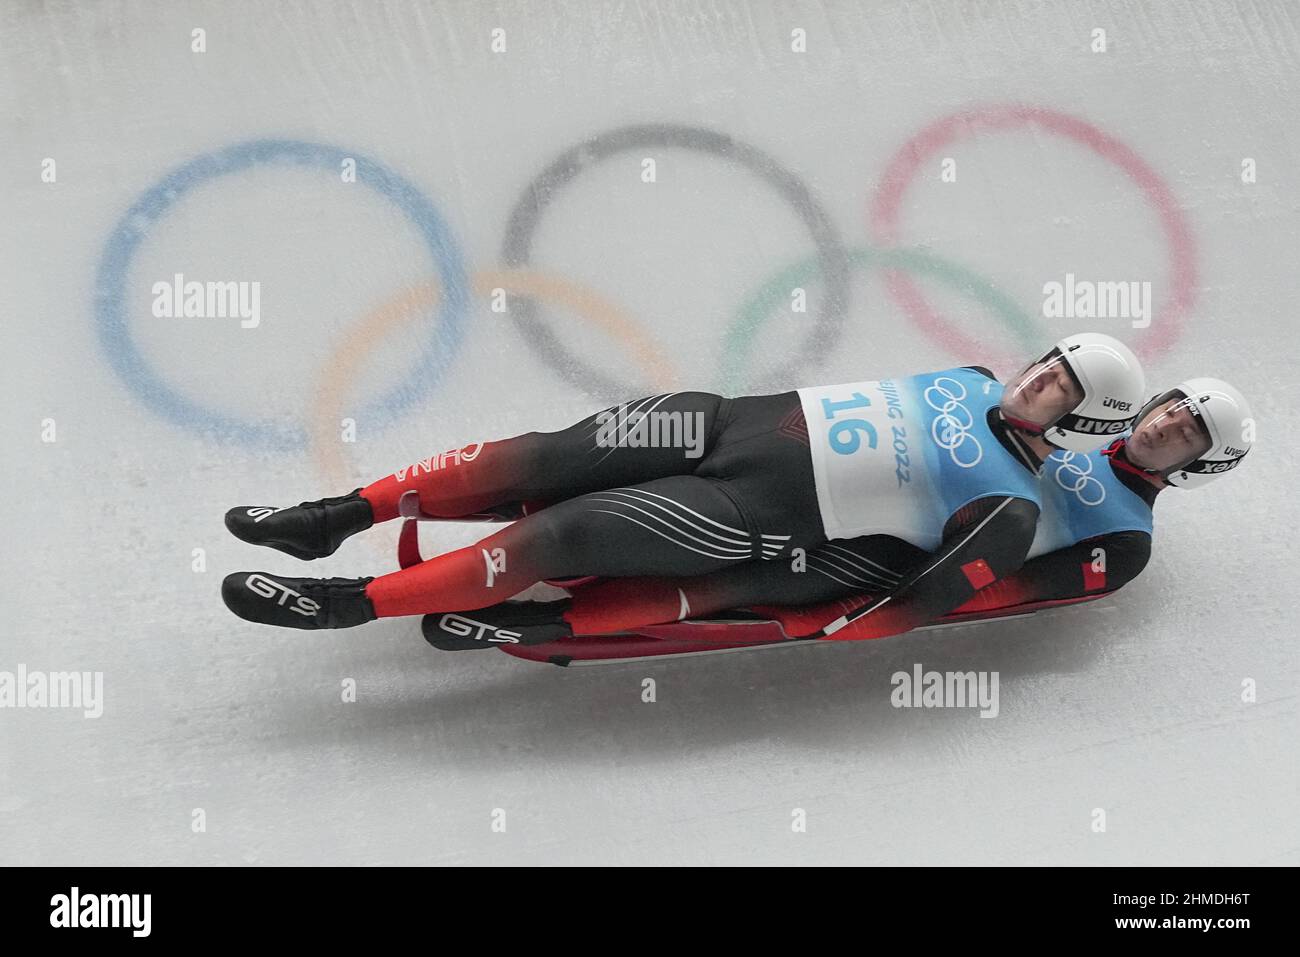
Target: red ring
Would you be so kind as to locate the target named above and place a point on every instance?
(903, 166)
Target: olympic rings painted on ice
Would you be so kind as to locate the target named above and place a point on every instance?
(832, 260)
(537, 195)
(352, 350)
(740, 335)
(1081, 477)
(921, 148)
(947, 430)
(134, 226)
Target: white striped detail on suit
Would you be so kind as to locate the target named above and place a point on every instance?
(639, 409)
(683, 526)
(835, 561)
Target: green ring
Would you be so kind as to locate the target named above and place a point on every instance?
(756, 310)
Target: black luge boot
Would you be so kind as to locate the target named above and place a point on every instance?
(298, 602)
(509, 623)
(308, 530)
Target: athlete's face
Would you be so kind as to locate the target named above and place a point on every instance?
(1168, 436)
(1042, 393)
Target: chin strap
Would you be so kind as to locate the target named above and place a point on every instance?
(1118, 456)
(1007, 433)
(1024, 425)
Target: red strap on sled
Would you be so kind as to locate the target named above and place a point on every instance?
(408, 542)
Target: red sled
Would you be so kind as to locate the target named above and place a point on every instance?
(728, 632)
(733, 632)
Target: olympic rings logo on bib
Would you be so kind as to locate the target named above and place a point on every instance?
(1083, 478)
(947, 430)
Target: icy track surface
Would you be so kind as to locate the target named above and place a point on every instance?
(127, 435)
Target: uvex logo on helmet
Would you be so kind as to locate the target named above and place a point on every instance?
(1111, 402)
(1087, 426)
(1210, 468)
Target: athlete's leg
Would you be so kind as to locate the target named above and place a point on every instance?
(762, 459)
(835, 569)
(653, 437)
(680, 525)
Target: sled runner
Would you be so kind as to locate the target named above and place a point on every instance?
(739, 630)
(734, 631)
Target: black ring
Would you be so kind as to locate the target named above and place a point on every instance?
(537, 195)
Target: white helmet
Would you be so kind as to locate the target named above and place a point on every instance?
(1110, 377)
(1224, 416)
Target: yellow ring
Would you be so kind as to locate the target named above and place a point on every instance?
(341, 366)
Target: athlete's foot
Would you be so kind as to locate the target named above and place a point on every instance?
(509, 623)
(309, 530)
(298, 602)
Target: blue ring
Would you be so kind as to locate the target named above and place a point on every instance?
(131, 229)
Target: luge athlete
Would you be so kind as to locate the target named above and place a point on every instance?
(946, 463)
(1094, 536)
